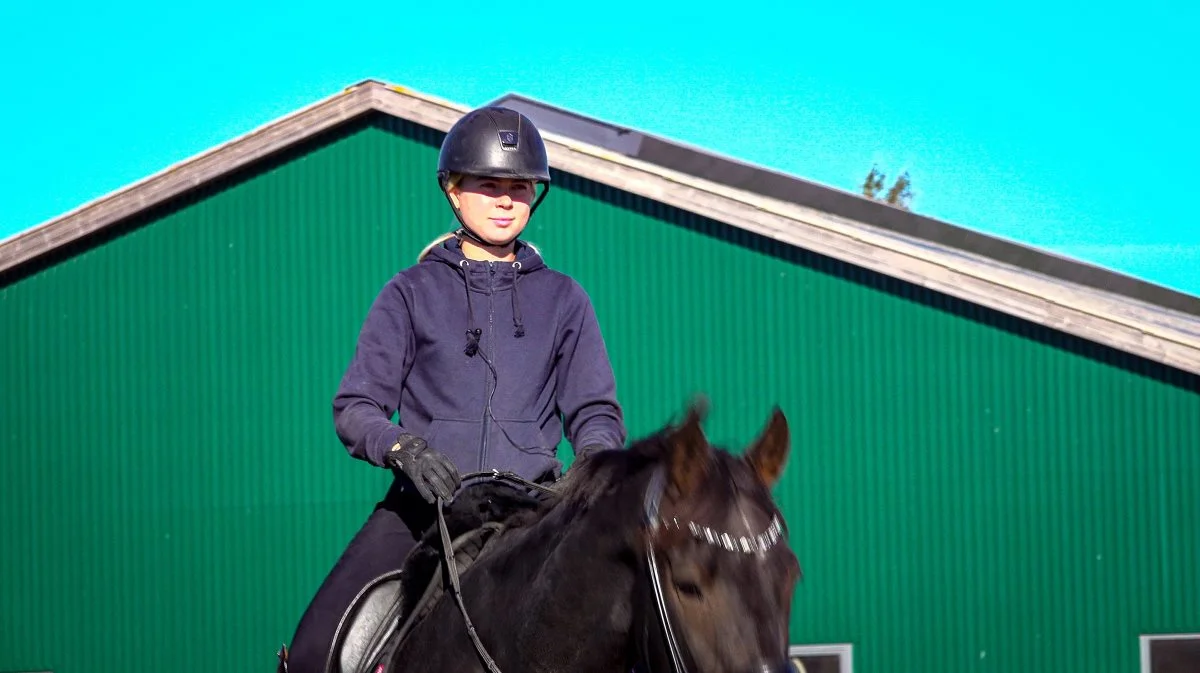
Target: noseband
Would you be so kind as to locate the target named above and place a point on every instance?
(756, 544)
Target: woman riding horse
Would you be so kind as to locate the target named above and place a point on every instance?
(532, 365)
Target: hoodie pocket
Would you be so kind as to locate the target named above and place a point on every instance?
(521, 447)
(523, 436)
(458, 440)
(517, 446)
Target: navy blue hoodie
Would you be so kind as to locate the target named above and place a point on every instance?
(538, 331)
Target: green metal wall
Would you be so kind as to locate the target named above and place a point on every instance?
(967, 491)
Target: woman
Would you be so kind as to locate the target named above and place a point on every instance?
(487, 354)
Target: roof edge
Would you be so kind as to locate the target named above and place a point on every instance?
(1114, 320)
(1106, 317)
(94, 215)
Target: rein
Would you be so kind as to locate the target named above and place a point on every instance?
(452, 566)
(654, 493)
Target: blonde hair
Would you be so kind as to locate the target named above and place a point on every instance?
(434, 243)
(451, 234)
(452, 180)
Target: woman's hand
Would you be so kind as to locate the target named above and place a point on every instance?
(434, 475)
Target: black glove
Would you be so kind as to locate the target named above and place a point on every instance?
(430, 471)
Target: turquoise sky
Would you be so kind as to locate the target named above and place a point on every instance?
(1069, 126)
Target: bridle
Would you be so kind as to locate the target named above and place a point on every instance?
(756, 544)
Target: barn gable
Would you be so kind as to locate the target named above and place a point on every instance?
(992, 463)
(1073, 297)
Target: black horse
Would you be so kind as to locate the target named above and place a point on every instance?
(668, 556)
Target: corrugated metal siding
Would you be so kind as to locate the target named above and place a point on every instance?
(967, 492)
(173, 492)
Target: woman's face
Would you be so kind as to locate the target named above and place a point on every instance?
(496, 209)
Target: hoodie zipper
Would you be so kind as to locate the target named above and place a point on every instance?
(488, 383)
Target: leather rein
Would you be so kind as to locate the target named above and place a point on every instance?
(452, 566)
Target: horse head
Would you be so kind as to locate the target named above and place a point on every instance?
(719, 570)
(669, 556)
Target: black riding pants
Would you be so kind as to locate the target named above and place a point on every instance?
(381, 545)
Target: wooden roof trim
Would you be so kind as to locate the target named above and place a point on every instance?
(1107, 318)
(184, 175)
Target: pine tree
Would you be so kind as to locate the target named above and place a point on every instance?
(899, 194)
(873, 183)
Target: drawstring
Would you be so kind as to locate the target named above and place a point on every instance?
(473, 333)
(516, 302)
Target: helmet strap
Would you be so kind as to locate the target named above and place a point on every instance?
(466, 231)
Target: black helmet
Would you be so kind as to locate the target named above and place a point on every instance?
(494, 142)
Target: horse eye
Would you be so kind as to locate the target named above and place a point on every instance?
(688, 589)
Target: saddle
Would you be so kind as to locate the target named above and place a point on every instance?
(387, 609)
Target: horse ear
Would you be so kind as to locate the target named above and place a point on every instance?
(769, 453)
(689, 454)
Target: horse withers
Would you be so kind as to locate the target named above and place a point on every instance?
(669, 556)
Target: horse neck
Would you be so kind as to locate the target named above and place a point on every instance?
(589, 571)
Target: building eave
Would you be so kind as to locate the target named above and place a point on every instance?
(1145, 329)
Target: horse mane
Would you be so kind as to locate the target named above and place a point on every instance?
(722, 476)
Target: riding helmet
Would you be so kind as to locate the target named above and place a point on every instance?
(494, 142)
